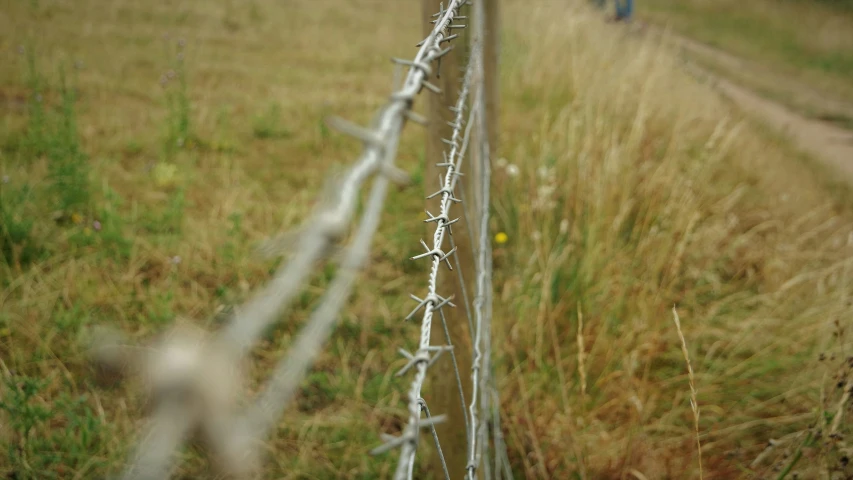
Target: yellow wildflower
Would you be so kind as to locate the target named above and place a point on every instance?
(76, 218)
(501, 238)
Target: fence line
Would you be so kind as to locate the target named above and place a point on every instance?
(193, 379)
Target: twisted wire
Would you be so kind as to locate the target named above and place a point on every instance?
(433, 302)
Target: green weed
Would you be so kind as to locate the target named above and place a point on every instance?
(69, 169)
(178, 106)
(50, 438)
(52, 134)
(18, 246)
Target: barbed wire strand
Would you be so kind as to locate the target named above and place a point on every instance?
(447, 336)
(438, 255)
(475, 111)
(324, 228)
(432, 302)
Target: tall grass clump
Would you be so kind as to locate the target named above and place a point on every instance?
(18, 245)
(49, 139)
(627, 188)
(178, 122)
(52, 134)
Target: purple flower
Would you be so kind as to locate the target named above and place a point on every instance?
(96, 225)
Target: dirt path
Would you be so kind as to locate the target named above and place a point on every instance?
(824, 140)
(805, 98)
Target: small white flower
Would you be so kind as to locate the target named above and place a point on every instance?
(536, 236)
(502, 163)
(564, 226)
(512, 170)
(176, 259)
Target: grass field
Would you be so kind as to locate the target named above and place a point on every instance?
(146, 149)
(807, 41)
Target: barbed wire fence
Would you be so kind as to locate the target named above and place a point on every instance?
(193, 378)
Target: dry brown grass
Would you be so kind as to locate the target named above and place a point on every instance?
(655, 193)
(652, 192)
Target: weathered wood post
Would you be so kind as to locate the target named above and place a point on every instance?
(491, 73)
(442, 390)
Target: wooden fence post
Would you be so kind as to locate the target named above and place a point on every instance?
(491, 74)
(486, 30)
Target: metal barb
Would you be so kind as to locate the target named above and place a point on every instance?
(366, 135)
(419, 119)
(449, 38)
(432, 88)
(415, 64)
(437, 300)
(392, 442)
